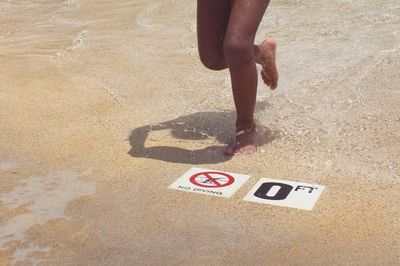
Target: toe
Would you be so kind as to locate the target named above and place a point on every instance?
(266, 78)
(229, 151)
(274, 82)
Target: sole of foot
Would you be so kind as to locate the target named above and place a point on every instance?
(267, 60)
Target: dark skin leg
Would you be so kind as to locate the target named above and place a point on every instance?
(212, 22)
(226, 32)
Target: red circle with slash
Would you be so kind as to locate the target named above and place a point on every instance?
(212, 179)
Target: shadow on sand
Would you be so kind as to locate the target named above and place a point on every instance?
(197, 126)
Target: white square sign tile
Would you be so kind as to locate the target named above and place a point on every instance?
(210, 182)
(285, 193)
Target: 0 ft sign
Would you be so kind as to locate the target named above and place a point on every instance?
(285, 193)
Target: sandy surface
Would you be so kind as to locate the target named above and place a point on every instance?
(103, 104)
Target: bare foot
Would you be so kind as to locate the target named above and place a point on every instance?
(244, 142)
(266, 59)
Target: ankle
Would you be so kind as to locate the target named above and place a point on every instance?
(257, 54)
(245, 126)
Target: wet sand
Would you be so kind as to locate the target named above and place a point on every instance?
(104, 104)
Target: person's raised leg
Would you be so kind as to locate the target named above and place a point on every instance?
(212, 22)
(240, 56)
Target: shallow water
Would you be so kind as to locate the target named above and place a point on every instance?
(79, 76)
(137, 46)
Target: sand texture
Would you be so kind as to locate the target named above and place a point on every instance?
(103, 104)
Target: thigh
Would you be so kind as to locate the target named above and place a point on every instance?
(245, 18)
(212, 22)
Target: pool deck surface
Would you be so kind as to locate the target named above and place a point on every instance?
(92, 133)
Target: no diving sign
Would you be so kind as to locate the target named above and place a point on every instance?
(212, 179)
(205, 181)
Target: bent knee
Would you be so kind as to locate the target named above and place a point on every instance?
(213, 63)
(238, 50)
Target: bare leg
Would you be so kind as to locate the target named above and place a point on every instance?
(220, 47)
(212, 22)
(240, 56)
